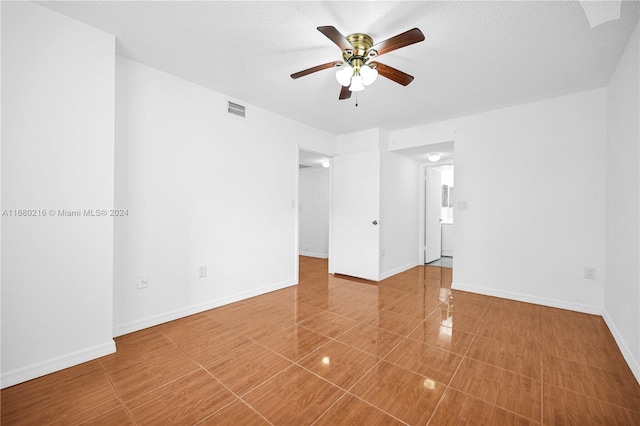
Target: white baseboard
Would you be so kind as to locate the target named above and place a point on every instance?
(632, 362)
(40, 369)
(311, 254)
(130, 327)
(395, 271)
(554, 303)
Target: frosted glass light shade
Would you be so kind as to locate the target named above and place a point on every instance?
(433, 157)
(356, 84)
(368, 74)
(343, 75)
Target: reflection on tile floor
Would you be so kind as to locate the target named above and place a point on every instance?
(335, 350)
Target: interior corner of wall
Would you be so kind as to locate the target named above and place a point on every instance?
(632, 360)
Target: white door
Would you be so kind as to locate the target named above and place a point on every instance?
(433, 237)
(355, 232)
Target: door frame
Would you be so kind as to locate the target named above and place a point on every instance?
(422, 214)
(297, 203)
(426, 207)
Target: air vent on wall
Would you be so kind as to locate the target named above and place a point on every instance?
(236, 109)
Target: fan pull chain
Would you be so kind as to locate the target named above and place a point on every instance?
(356, 99)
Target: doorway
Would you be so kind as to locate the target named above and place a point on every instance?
(438, 156)
(438, 214)
(313, 204)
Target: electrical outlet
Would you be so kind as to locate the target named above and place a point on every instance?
(202, 271)
(143, 281)
(590, 272)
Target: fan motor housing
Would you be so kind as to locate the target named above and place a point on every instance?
(361, 43)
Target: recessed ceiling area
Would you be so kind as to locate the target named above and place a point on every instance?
(420, 154)
(308, 159)
(477, 55)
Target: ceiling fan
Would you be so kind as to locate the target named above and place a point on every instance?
(356, 70)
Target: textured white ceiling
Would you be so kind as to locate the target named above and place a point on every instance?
(477, 55)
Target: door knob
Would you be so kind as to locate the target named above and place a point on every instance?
(375, 222)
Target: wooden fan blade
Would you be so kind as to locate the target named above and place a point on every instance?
(335, 36)
(345, 93)
(393, 74)
(401, 40)
(314, 69)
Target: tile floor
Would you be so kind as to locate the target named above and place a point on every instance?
(341, 351)
(444, 261)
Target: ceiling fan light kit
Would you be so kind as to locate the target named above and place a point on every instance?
(369, 75)
(355, 71)
(356, 84)
(344, 74)
(356, 78)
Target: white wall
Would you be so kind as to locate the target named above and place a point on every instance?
(399, 212)
(57, 153)
(318, 143)
(531, 162)
(622, 285)
(203, 188)
(366, 140)
(314, 212)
